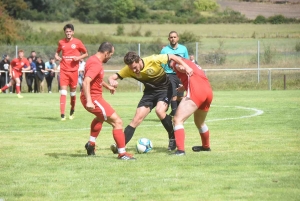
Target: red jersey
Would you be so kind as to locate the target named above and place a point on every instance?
(94, 70)
(196, 81)
(17, 64)
(70, 49)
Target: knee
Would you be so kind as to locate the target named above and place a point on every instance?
(118, 122)
(177, 120)
(161, 114)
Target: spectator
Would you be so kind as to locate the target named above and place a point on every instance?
(4, 66)
(40, 74)
(50, 67)
(33, 57)
(81, 72)
(30, 75)
(15, 71)
(192, 58)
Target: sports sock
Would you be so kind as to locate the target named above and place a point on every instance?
(167, 123)
(204, 133)
(63, 99)
(129, 131)
(73, 102)
(120, 140)
(4, 88)
(179, 136)
(96, 127)
(173, 107)
(18, 88)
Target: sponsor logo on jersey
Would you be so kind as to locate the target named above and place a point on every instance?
(73, 46)
(150, 71)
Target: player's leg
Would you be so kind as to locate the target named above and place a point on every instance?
(199, 119)
(18, 87)
(172, 88)
(9, 84)
(73, 85)
(119, 136)
(64, 80)
(96, 127)
(185, 109)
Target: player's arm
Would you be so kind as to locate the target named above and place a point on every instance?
(182, 67)
(113, 80)
(57, 57)
(86, 85)
(81, 56)
(28, 67)
(109, 87)
(10, 70)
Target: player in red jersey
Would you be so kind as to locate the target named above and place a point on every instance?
(72, 51)
(15, 71)
(93, 102)
(197, 101)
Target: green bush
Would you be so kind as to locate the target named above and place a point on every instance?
(120, 30)
(297, 47)
(148, 33)
(277, 19)
(260, 20)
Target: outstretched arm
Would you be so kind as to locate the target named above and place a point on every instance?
(113, 80)
(109, 87)
(182, 67)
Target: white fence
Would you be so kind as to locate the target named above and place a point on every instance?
(258, 71)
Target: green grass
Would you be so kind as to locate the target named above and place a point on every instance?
(162, 30)
(252, 158)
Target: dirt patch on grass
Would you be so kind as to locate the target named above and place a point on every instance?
(267, 9)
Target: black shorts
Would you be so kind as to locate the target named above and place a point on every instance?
(150, 98)
(175, 81)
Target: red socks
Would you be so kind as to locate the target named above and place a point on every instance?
(63, 99)
(73, 101)
(205, 139)
(119, 137)
(4, 88)
(179, 137)
(96, 127)
(18, 88)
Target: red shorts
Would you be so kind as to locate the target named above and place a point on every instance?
(201, 95)
(102, 108)
(68, 78)
(16, 74)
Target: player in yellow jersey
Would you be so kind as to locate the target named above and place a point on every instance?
(157, 91)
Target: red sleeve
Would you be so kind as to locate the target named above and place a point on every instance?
(12, 62)
(82, 48)
(58, 47)
(93, 70)
(27, 62)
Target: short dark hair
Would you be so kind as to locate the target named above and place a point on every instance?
(173, 32)
(131, 57)
(69, 26)
(106, 47)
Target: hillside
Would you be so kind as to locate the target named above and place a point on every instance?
(290, 9)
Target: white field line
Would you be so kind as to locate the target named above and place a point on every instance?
(257, 112)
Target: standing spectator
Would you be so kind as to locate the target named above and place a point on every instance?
(15, 71)
(4, 66)
(81, 72)
(93, 102)
(50, 73)
(33, 57)
(197, 101)
(40, 74)
(72, 51)
(30, 76)
(192, 58)
(157, 91)
(174, 48)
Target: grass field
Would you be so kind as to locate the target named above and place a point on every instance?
(254, 139)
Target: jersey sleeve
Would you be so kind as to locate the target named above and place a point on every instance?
(93, 70)
(81, 48)
(58, 47)
(27, 62)
(161, 59)
(124, 72)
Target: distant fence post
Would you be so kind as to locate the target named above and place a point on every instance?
(269, 76)
(258, 61)
(197, 51)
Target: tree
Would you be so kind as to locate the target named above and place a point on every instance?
(14, 7)
(206, 5)
(8, 27)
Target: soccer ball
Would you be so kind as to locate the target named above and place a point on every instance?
(143, 145)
